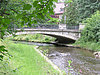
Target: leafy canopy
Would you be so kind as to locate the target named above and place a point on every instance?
(78, 10)
(18, 13)
(86, 8)
(71, 12)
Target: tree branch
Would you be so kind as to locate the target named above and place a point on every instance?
(14, 10)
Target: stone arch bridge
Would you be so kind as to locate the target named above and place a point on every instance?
(63, 36)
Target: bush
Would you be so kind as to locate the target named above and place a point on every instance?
(91, 32)
(47, 39)
(27, 39)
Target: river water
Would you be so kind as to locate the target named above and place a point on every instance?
(83, 61)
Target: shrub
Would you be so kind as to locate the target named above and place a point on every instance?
(91, 32)
(47, 39)
(27, 39)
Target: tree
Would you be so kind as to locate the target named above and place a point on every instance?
(78, 10)
(19, 13)
(71, 12)
(87, 7)
(91, 32)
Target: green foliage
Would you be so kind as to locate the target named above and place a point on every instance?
(8, 20)
(53, 20)
(88, 45)
(45, 52)
(4, 60)
(90, 36)
(87, 7)
(34, 37)
(27, 39)
(27, 7)
(2, 52)
(78, 10)
(69, 63)
(91, 32)
(68, 1)
(18, 13)
(69, 67)
(71, 12)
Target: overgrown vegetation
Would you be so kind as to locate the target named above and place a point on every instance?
(91, 32)
(88, 45)
(5, 68)
(90, 37)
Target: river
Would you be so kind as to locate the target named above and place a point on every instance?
(83, 61)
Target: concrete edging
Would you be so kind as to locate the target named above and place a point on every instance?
(49, 61)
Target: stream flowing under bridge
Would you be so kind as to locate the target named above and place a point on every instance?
(62, 35)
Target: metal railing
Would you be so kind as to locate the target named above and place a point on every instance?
(73, 27)
(40, 26)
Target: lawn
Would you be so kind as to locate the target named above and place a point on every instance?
(27, 61)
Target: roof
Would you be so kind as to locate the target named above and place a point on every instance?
(59, 8)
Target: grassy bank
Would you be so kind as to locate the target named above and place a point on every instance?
(88, 45)
(26, 61)
(33, 37)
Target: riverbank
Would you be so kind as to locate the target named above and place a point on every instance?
(88, 46)
(50, 40)
(27, 61)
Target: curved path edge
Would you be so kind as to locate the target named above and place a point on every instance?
(49, 61)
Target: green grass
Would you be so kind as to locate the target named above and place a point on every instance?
(88, 45)
(33, 37)
(26, 61)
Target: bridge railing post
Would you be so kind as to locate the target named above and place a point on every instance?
(62, 26)
(81, 26)
(79, 35)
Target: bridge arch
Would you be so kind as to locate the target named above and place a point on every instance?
(61, 39)
(63, 36)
